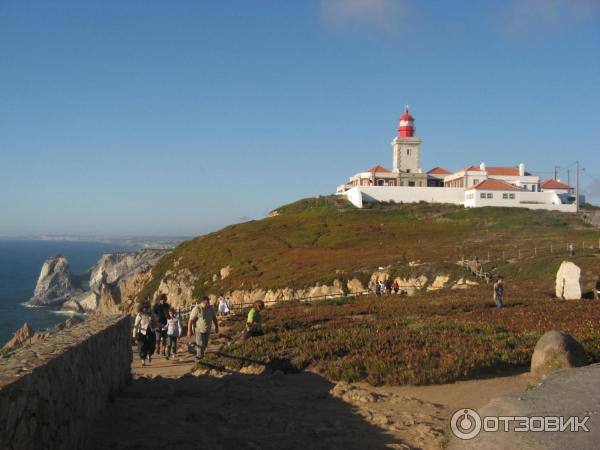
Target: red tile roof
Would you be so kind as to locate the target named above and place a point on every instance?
(499, 171)
(502, 171)
(553, 184)
(494, 185)
(379, 169)
(439, 171)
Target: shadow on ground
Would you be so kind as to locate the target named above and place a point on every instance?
(238, 411)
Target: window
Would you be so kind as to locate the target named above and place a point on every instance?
(407, 170)
(482, 195)
(380, 182)
(490, 195)
(411, 183)
(408, 151)
(512, 196)
(505, 196)
(476, 181)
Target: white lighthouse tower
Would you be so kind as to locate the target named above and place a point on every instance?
(406, 149)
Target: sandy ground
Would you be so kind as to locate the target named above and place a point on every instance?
(167, 407)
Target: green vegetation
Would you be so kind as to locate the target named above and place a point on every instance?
(320, 239)
(434, 338)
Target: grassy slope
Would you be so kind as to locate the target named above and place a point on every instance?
(314, 240)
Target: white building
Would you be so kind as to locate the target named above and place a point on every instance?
(472, 186)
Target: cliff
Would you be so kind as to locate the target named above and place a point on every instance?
(115, 279)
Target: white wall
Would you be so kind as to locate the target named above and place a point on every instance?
(365, 194)
(531, 200)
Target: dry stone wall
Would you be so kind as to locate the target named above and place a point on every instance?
(51, 390)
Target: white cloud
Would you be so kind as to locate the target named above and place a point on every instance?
(379, 13)
(530, 16)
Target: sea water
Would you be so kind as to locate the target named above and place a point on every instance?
(20, 265)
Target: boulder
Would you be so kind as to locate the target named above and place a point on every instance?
(568, 281)
(54, 283)
(412, 284)
(380, 275)
(225, 272)
(438, 283)
(355, 285)
(556, 350)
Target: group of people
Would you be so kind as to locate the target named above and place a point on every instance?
(392, 287)
(161, 325)
(157, 326)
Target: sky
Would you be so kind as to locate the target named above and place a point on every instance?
(142, 117)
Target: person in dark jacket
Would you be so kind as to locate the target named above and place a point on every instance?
(161, 315)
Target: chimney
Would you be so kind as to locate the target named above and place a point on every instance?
(482, 166)
(521, 170)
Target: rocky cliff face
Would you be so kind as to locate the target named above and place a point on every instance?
(55, 283)
(113, 281)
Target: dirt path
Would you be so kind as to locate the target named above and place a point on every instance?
(167, 407)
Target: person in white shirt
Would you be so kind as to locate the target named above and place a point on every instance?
(173, 329)
(143, 333)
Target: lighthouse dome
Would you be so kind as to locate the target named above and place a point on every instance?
(406, 126)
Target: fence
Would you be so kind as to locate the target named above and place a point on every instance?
(239, 307)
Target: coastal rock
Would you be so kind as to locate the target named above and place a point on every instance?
(54, 284)
(568, 281)
(72, 305)
(113, 267)
(107, 304)
(22, 335)
(556, 350)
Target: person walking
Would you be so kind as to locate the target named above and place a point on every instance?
(173, 329)
(161, 314)
(254, 319)
(499, 292)
(203, 316)
(224, 306)
(395, 287)
(378, 289)
(571, 249)
(143, 333)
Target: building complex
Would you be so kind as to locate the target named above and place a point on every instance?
(472, 186)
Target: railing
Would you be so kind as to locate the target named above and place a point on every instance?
(185, 312)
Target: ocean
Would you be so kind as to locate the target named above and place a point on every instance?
(20, 265)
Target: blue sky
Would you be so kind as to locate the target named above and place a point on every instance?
(176, 118)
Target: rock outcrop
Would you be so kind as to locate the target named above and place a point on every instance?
(556, 350)
(568, 281)
(113, 267)
(55, 283)
(121, 275)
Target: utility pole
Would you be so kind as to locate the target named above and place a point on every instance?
(569, 177)
(556, 172)
(577, 194)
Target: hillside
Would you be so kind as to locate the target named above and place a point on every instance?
(319, 240)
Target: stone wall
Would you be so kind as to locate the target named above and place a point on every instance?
(51, 390)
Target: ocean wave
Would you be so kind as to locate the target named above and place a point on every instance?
(27, 305)
(61, 312)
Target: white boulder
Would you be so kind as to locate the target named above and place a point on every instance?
(568, 281)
